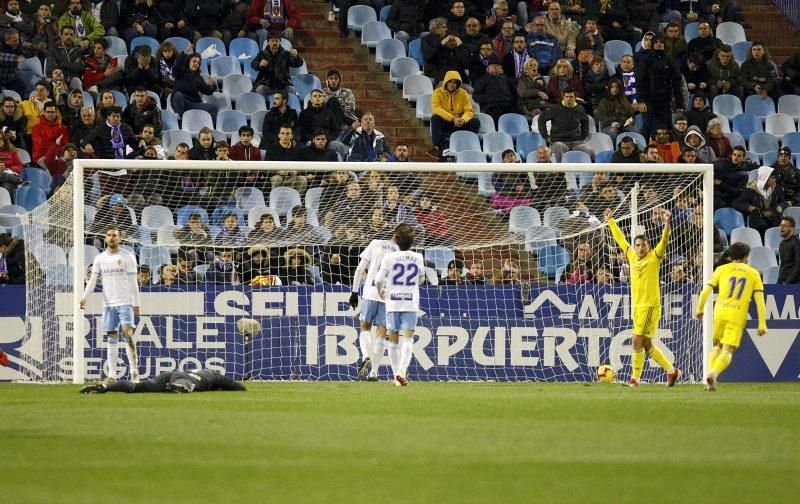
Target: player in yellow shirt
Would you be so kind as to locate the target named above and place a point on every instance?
(737, 283)
(645, 264)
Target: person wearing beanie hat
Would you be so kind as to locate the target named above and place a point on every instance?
(658, 82)
(787, 175)
(495, 92)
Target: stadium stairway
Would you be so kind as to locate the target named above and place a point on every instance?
(765, 22)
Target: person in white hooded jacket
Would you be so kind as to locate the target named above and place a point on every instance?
(762, 201)
(695, 138)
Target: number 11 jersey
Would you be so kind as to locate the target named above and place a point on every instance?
(736, 283)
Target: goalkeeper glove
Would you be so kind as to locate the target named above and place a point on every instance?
(98, 388)
(354, 300)
(3, 359)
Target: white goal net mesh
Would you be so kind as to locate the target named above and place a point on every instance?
(248, 269)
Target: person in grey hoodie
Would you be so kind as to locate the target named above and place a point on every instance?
(694, 138)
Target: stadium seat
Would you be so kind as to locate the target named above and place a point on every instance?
(513, 124)
(249, 103)
(554, 215)
(576, 157)
(746, 235)
(423, 106)
(249, 197)
(155, 216)
(169, 120)
(528, 142)
(730, 33)
(219, 213)
(243, 47)
(358, 16)
(194, 120)
(522, 218)
(283, 199)
(50, 254)
(487, 124)
(728, 219)
(768, 159)
(741, 50)
(792, 140)
(636, 137)
(415, 51)
(790, 105)
(59, 275)
(415, 85)
(691, 31)
(762, 142)
(614, 50)
(470, 156)
(171, 138)
(234, 85)
(301, 70)
(463, 141)
(726, 123)
(497, 142)
(735, 139)
(603, 157)
(762, 258)
(400, 67)
(292, 102)
(5, 196)
(229, 121)
(440, 257)
(89, 253)
(388, 49)
(792, 211)
(747, 124)
(31, 198)
(184, 212)
(374, 31)
(165, 237)
(779, 124)
(255, 213)
(485, 185)
(727, 105)
(225, 65)
(753, 104)
(221, 100)
(537, 238)
(313, 197)
(304, 84)
(206, 42)
(772, 238)
(257, 121)
(117, 46)
(551, 258)
(145, 41)
(154, 256)
(38, 177)
(181, 44)
(600, 142)
(770, 275)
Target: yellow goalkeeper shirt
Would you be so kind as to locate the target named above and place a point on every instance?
(645, 285)
(737, 283)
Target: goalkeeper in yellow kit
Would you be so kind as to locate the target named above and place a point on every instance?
(737, 283)
(645, 264)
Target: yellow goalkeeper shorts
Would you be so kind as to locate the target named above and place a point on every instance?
(645, 321)
(728, 333)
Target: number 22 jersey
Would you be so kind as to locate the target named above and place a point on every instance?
(402, 272)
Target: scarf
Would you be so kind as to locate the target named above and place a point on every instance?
(519, 61)
(629, 83)
(80, 30)
(117, 142)
(275, 12)
(563, 84)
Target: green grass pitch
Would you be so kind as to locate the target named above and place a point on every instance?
(430, 442)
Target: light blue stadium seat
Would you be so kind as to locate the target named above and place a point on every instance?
(691, 31)
(730, 33)
(792, 140)
(283, 199)
(463, 141)
(614, 50)
(551, 258)
(358, 15)
(772, 238)
(554, 215)
(313, 197)
(304, 84)
(522, 218)
(636, 137)
(374, 31)
(470, 156)
(187, 211)
(603, 157)
(747, 124)
(292, 102)
(206, 42)
(301, 70)
(89, 253)
(727, 105)
(249, 103)
(249, 197)
(255, 213)
(746, 235)
(415, 51)
(243, 46)
(225, 65)
(234, 85)
(537, 238)
(116, 46)
(497, 142)
(513, 124)
(528, 142)
(440, 257)
(728, 219)
(31, 198)
(780, 124)
(257, 121)
(169, 120)
(5, 196)
(219, 213)
(388, 49)
(194, 120)
(770, 275)
(762, 258)
(423, 106)
(171, 138)
(221, 100)
(735, 139)
(753, 104)
(415, 85)
(154, 256)
(600, 142)
(576, 157)
(487, 124)
(59, 275)
(229, 121)
(741, 50)
(761, 143)
(180, 43)
(155, 216)
(401, 67)
(793, 212)
(145, 41)
(768, 159)
(38, 178)
(790, 105)
(485, 185)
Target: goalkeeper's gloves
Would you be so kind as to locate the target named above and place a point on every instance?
(98, 388)
(354, 300)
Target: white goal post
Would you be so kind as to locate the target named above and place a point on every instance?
(665, 176)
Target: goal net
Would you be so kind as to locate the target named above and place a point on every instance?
(246, 267)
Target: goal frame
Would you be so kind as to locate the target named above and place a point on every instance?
(79, 231)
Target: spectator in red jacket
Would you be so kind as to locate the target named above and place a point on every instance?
(58, 162)
(9, 159)
(244, 150)
(265, 16)
(48, 131)
(102, 70)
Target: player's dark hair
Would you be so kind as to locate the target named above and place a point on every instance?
(738, 251)
(245, 129)
(404, 236)
(790, 220)
(641, 237)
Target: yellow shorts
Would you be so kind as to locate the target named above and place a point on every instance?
(645, 321)
(728, 333)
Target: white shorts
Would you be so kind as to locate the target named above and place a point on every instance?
(117, 317)
(401, 321)
(373, 312)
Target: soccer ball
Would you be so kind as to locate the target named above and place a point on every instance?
(605, 373)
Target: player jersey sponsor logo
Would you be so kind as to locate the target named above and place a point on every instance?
(402, 296)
